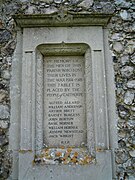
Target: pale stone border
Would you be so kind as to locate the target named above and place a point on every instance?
(25, 109)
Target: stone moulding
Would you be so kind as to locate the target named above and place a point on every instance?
(62, 19)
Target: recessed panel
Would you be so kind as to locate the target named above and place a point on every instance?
(64, 101)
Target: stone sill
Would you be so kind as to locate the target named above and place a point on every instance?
(65, 156)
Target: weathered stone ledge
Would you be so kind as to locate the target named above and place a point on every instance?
(68, 19)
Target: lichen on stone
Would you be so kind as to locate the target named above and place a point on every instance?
(66, 156)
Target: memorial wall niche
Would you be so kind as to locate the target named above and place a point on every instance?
(65, 110)
(64, 101)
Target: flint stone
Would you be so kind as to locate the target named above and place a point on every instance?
(121, 157)
(30, 10)
(133, 60)
(47, 1)
(123, 112)
(4, 112)
(131, 84)
(86, 3)
(118, 2)
(131, 123)
(117, 46)
(124, 14)
(1, 24)
(132, 133)
(6, 74)
(124, 59)
(4, 36)
(2, 95)
(128, 163)
(24, 0)
(131, 178)
(12, 8)
(122, 134)
(97, 5)
(129, 97)
(8, 49)
(58, 1)
(132, 153)
(108, 7)
(123, 3)
(51, 10)
(4, 124)
(133, 26)
(121, 143)
(130, 48)
(120, 169)
(127, 71)
(132, 108)
(131, 140)
(116, 36)
(3, 140)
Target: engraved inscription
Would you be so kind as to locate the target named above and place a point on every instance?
(64, 101)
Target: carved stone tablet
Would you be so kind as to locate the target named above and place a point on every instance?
(64, 101)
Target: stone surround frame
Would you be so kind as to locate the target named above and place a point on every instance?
(37, 35)
(62, 49)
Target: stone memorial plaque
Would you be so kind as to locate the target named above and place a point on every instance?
(64, 101)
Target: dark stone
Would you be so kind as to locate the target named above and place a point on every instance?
(122, 156)
(121, 143)
(9, 48)
(115, 60)
(119, 84)
(12, 8)
(3, 141)
(123, 112)
(2, 86)
(5, 36)
(2, 132)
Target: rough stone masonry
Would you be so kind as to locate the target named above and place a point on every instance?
(122, 46)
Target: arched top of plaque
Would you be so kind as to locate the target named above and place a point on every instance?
(67, 49)
(61, 19)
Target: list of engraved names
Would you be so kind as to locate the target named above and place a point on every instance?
(64, 101)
